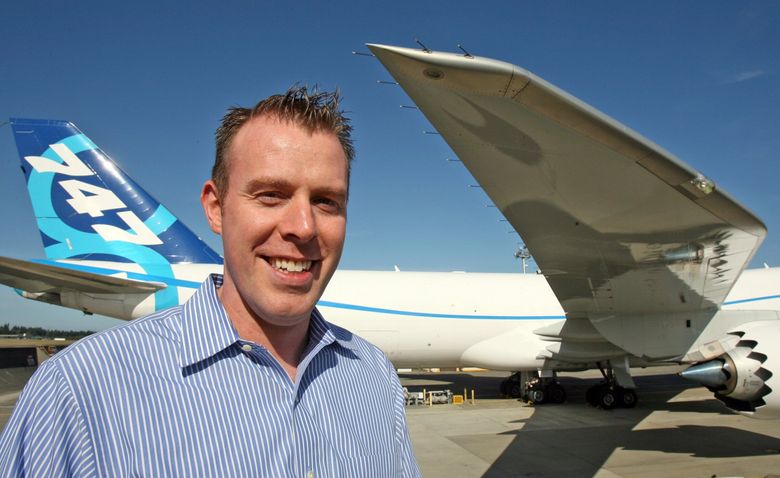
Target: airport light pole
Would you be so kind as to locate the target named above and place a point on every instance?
(523, 254)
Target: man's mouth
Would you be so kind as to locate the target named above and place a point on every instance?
(289, 265)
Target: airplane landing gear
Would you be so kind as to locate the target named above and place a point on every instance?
(609, 393)
(530, 387)
(511, 386)
(549, 392)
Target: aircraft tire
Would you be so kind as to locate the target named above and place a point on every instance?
(537, 396)
(607, 399)
(593, 393)
(555, 393)
(504, 387)
(627, 398)
(514, 388)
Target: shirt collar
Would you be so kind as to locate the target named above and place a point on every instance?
(207, 329)
(321, 330)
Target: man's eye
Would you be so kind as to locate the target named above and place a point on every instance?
(269, 197)
(328, 205)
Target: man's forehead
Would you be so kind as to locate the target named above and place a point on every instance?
(276, 138)
(273, 122)
(270, 133)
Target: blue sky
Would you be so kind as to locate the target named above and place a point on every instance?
(149, 81)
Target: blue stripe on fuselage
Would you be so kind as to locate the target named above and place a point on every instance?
(377, 310)
(338, 305)
(755, 299)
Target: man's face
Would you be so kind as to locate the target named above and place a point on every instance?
(282, 218)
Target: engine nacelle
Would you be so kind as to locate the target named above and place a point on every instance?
(745, 378)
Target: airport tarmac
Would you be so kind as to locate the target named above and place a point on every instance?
(675, 431)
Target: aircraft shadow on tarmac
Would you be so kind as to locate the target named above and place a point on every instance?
(576, 439)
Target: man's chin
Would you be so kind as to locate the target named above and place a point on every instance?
(285, 315)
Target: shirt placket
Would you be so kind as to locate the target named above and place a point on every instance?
(279, 375)
(304, 451)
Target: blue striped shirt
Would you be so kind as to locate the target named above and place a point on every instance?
(179, 393)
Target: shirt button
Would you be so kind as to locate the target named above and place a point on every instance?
(310, 474)
(246, 348)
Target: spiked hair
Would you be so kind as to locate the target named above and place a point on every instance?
(315, 110)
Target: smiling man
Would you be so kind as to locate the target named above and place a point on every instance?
(282, 212)
(246, 378)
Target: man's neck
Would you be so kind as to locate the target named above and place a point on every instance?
(285, 343)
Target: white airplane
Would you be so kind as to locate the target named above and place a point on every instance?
(641, 257)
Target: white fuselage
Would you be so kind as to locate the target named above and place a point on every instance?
(432, 319)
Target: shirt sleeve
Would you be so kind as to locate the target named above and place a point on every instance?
(408, 463)
(47, 434)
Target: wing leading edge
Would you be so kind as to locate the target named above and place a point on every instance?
(34, 277)
(617, 225)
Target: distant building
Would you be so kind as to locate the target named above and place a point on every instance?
(16, 352)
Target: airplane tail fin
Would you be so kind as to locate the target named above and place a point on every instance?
(88, 208)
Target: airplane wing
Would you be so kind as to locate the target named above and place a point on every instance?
(35, 277)
(618, 225)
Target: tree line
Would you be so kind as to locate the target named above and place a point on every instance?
(40, 332)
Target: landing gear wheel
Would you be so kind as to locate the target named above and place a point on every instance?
(555, 393)
(515, 389)
(537, 396)
(593, 393)
(627, 398)
(607, 399)
(504, 387)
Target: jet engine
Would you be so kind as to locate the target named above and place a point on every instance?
(746, 378)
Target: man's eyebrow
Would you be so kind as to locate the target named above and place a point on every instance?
(264, 182)
(339, 194)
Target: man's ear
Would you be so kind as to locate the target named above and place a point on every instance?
(209, 199)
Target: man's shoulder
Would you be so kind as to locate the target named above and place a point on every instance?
(365, 360)
(358, 344)
(154, 330)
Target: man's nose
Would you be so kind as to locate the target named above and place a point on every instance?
(298, 223)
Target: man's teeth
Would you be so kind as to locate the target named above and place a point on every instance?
(291, 266)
